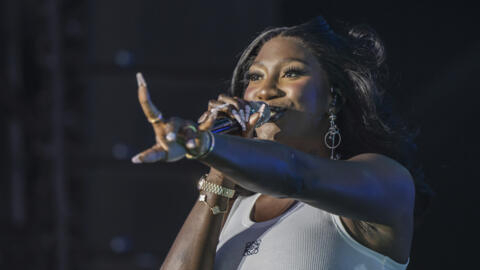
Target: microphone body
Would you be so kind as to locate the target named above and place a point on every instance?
(223, 125)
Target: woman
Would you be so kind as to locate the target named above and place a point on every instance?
(330, 178)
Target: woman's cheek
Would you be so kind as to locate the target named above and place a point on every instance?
(299, 93)
(248, 94)
(310, 98)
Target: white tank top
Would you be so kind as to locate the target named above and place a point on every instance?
(303, 238)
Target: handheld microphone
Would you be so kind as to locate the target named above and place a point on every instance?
(223, 125)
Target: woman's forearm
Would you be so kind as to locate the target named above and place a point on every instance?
(195, 245)
(258, 165)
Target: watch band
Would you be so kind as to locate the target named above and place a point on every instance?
(204, 185)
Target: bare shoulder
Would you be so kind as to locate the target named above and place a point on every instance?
(382, 162)
(391, 240)
(394, 177)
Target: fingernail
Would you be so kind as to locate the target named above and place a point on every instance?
(214, 115)
(171, 136)
(242, 115)
(202, 118)
(248, 108)
(238, 118)
(247, 113)
(141, 80)
(221, 106)
(262, 108)
(190, 144)
(136, 159)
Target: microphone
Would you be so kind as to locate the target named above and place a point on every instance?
(223, 125)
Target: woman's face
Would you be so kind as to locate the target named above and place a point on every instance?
(288, 75)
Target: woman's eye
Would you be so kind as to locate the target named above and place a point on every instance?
(293, 73)
(252, 76)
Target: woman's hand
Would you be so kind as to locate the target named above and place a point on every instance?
(234, 108)
(174, 138)
(177, 137)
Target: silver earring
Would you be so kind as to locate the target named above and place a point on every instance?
(332, 137)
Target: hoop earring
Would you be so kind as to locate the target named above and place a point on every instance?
(333, 132)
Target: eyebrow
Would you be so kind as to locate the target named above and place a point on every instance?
(286, 60)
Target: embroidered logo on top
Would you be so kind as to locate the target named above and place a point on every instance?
(251, 248)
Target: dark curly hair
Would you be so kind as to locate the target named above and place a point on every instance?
(355, 65)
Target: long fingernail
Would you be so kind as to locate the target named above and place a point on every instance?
(247, 112)
(242, 115)
(191, 144)
(202, 118)
(214, 111)
(171, 136)
(136, 159)
(262, 108)
(222, 106)
(141, 80)
(239, 119)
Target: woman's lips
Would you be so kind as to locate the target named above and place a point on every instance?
(276, 112)
(277, 109)
(285, 104)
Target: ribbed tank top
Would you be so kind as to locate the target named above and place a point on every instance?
(302, 238)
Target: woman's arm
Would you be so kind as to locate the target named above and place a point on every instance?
(368, 187)
(195, 245)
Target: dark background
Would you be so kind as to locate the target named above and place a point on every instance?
(71, 199)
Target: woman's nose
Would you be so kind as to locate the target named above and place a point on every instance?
(269, 93)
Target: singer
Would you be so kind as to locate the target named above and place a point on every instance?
(318, 175)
